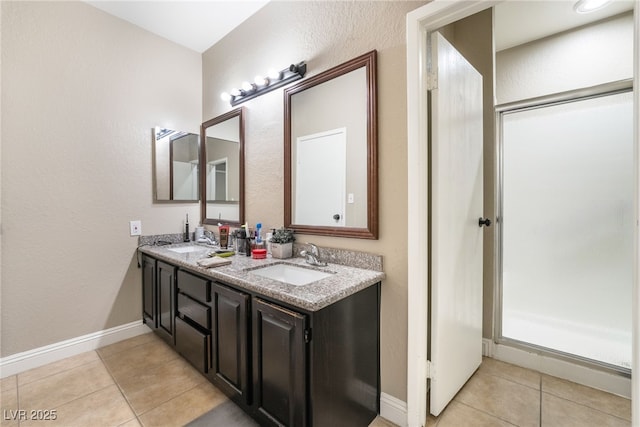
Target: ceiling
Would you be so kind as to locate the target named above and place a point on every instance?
(518, 22)
(197, 25)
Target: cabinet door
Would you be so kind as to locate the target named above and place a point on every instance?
(230, 358)
(166, 300)
(149, 292)
(279, 368)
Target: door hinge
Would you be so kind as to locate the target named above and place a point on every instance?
(307, 335)
(429, 369)
(431, 75)
(432, 80)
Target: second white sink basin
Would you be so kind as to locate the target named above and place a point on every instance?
(291, 274)
(186, 249)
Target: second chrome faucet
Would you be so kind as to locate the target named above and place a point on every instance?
(312, 256)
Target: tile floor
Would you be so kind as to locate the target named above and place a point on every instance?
(500, 394)
(143, 382)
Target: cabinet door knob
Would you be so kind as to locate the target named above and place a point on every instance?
(336, 217)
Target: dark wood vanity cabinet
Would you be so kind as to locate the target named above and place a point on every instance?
(193, 320)
(230, 342)
(280, 363)
(149, 289)
(283, 365)
(213, 331)
(166, 288)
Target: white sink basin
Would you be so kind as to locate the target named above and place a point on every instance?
(186, 249)
(291, 274)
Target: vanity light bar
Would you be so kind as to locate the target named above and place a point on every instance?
(262, 85)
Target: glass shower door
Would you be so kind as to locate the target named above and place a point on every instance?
(567, 227)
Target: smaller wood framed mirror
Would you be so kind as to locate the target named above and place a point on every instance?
(175, 165)
(330, 152)
(222, 166)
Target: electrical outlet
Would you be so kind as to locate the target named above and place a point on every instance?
(350, 198)
(135, 227)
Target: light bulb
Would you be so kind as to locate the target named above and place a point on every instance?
(261, 81)
(235, 92)
(246, 86)
(274, 74)
(225, 97)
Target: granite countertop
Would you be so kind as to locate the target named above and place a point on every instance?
(344, 281)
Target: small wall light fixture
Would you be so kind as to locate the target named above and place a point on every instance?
(263, 84)
(586, 6)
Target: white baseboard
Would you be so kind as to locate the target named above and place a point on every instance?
(601, 380)
(394, 410)
(30, 359)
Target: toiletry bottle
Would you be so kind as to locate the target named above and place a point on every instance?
(268, 241)
(187, 237)
(241, 240)
(249, 243)
(258, 230)
(224, 236)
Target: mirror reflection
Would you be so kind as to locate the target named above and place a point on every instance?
(176, 165)
(330, 149)
(223, 168)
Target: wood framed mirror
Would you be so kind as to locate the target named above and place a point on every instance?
(222, 166)
(175, 165)
(330, 152)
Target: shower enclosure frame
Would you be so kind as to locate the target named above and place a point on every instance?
(606, 89)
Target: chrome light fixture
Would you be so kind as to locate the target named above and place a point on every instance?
(263, 84)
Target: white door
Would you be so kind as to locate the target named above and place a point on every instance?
(456, 207)
(321, 168)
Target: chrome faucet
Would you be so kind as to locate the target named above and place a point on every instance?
(208, 238)
(313, 256)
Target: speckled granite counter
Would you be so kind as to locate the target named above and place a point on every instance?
(344, 281)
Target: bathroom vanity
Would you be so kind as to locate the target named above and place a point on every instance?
(292, 355)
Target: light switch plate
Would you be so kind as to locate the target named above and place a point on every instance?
(350, 198)
(135, 227)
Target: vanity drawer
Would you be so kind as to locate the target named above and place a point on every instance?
(194, 286)
(201, 314)
(193, 345)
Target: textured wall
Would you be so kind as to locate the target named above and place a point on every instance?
(587, 56)
(81, 91)
(325, 34)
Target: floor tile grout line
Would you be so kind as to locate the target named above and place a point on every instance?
(122, 351)
(103, 359)
(540, 403)
(57, 372)
(67, 402)
(75, 398)
(120, 388)
(486, 413)
(167, 401)
(513, 382)
(586, 406)
(510, 379)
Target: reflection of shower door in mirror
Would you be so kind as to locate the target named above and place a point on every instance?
(321, 178)
(185, 180)
(567, 226)
(217, 182)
